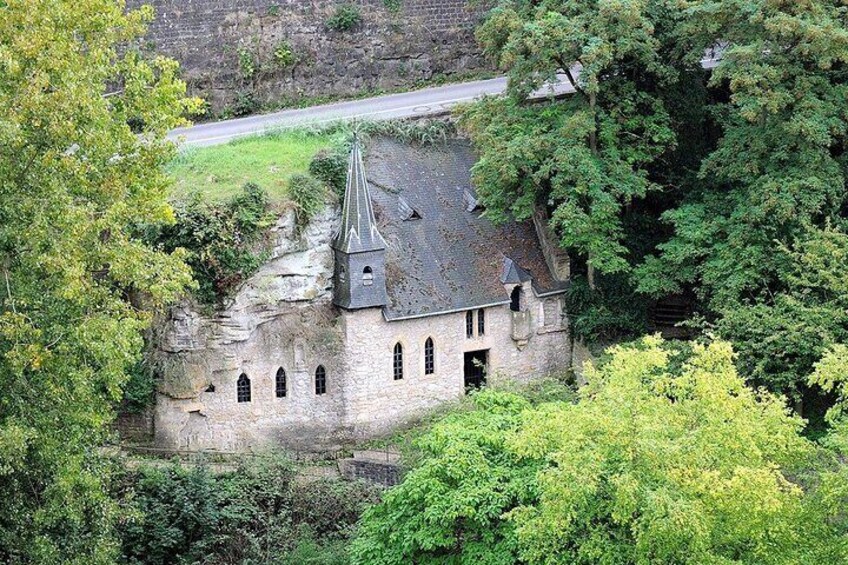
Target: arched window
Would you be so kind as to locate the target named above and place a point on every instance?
(342, 274)
(515, 299)
(367, 276)
(481, 322)
(243, 388)
(280, 383)
(397, 361)
(429, 357)
(469, 324)
(320, 380)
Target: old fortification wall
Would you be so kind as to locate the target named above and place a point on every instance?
(273, 51)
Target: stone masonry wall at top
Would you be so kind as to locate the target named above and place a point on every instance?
(233, 52)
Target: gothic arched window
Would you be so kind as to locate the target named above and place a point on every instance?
(429, 357)
(367, 276)
(397, 361)
(280, 383)
(481, 322)
(469, 324)
(320, 380)
(243, 388)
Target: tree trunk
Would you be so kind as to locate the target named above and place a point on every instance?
(590, 274)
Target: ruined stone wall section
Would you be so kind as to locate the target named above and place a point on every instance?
(389, 49)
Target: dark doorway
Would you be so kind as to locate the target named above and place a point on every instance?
(515, 299)
(476, 366)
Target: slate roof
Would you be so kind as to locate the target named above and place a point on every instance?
(358, 229)
(440, 256)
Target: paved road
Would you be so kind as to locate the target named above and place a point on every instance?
(418, 103)
(425, 102)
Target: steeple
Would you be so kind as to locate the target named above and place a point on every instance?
(359, 249)
(358, 231)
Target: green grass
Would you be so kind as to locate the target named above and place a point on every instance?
(220, 171)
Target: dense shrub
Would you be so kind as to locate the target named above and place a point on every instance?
(256, 513)
(224, 241)
(609, 312)
(244, 104)
(344, 18)
(284, 55)
(139, 389)
(330, 167)
(307, 194)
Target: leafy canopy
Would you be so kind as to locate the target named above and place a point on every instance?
(667, 457)
(82, 124)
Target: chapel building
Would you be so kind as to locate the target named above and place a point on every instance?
(425, 299)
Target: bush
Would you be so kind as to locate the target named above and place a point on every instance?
(307, 193)
(224, 241)
(247, 63)
(609, 312)
(344, 18)
(244, 104)
(139, 389)
(284, 55)
(256, 513)
(330, 167)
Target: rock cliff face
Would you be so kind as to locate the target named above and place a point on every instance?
(281, 317)
(236, 51)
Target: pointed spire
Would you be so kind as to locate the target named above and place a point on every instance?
(358, 231)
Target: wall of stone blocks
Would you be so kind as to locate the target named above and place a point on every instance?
(390, 49)
(375, 402)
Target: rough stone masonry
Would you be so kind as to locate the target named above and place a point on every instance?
(241, 53)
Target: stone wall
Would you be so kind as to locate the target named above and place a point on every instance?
(376, 403)
(283, 317)
(389, 49)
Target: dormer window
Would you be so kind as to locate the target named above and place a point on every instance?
(367, 276)
(406, 211)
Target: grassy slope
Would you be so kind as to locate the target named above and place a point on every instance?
(220, 171)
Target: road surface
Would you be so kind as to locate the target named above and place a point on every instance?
(418, 103)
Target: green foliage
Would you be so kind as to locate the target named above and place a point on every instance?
(606, 313)
(246, 62)
(257, 513)
(220, 171)
(330, 167)
(224, 242)
(245, 103)
(345, 17)
(410, 131)
(139, 389)
(586, 158)
(393, 6)
(308, 195)
(284, 55)
(723, 170)
(667, 457)
(75, 179)
(781, 336)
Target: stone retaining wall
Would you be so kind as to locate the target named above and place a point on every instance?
(215, 39)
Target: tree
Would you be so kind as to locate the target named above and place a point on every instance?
(781, 336)
(584, 160)
(82, 123)
(776, 176)
(667, 457)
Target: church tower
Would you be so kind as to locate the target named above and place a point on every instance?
(359, 249)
